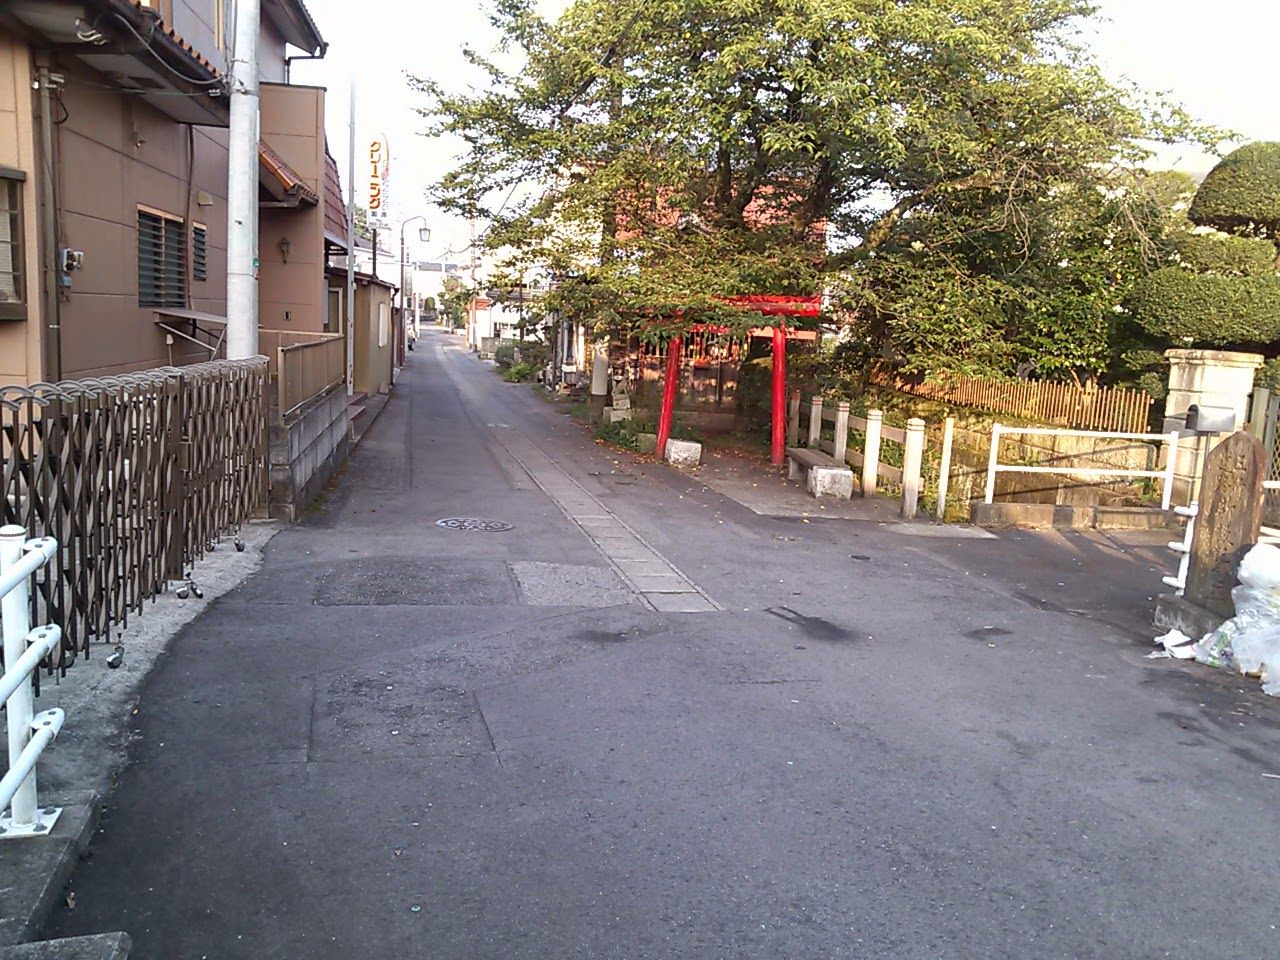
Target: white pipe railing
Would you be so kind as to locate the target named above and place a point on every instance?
(24, 648)
(1165, 475)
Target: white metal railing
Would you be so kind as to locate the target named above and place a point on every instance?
(24, 648)
(1166, 475)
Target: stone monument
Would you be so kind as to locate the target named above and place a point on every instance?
(1230, 516)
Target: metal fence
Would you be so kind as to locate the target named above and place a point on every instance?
(136, 477)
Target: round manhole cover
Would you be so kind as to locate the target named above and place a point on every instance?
(474, 524)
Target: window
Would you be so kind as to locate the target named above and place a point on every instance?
(13, 285)
(384, 324)
(199, 252)
(162, 260)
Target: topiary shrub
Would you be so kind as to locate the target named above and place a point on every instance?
(1242, 193)
(1225, 255)
(1183, 306)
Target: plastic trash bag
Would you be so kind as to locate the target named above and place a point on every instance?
(1250, 641)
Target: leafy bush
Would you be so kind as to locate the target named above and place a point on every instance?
(1269, 375)
(621, 434)
(520, 373)
(533, 352)
(504, 355)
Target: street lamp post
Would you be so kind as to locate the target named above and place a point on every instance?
(424, 234)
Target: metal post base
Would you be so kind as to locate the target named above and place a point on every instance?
(45, 819)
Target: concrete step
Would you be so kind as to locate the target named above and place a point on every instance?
(98, 946)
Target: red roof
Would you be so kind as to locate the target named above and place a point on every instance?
(335, 208)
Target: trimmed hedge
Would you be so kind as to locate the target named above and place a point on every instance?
(1226, 255)
(1178, 305)
(1242, 190)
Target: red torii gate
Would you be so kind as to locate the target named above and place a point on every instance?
(774, 306)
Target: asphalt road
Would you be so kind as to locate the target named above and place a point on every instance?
(404, 740)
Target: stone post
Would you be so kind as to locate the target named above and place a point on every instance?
(1216, 378)
(815, 420)
(793, 419)
(912, 460)
(1228, 522)
(871, 453)
(842, 431)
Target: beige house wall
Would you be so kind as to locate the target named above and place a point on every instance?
(291, 292)
(20, 340)
(118, 154)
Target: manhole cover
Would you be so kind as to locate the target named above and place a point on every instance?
(474, 524)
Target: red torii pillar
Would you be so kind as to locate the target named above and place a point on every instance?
(778, 406)
(669, 385)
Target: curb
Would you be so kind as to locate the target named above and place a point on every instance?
(97, 946)
(36, 871)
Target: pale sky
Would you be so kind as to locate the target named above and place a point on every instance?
(1213, 56)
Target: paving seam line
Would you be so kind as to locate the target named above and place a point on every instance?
(605, 512)
(580, 491)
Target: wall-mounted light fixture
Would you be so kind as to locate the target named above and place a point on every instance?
(284, 249)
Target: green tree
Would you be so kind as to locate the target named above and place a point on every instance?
(908, 150)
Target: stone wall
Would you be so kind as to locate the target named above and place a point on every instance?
(306, 451)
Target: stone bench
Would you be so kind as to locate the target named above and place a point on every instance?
(824, 476)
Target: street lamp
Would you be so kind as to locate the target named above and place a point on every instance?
(424, 234)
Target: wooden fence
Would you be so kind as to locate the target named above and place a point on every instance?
(1041, 401)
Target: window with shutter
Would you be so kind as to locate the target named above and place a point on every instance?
(199, 252)
(162, 260)
(13, 290)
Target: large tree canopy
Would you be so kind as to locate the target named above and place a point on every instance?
(667, 153)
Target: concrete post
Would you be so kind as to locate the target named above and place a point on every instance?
(1216, 378)
(871, 453)
(912, 460)
(793, 420)
(815, 421)
(842, 430)
(599, 378)
(944, 468)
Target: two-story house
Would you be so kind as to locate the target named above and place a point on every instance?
(113, 183)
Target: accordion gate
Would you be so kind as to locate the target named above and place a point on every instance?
(135, 476)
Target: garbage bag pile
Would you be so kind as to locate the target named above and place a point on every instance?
(1249, 641)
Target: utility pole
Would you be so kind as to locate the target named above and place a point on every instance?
(473, 312)
(242, 187)
(351, 241)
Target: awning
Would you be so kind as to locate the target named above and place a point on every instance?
(207, 330)
(133, 49)
(280, 182)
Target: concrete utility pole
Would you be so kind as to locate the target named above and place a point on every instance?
(242, 187)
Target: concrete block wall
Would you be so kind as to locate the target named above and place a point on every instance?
(305, 453)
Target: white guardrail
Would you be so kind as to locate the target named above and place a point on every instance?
(24, 648)
(1166, 475)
